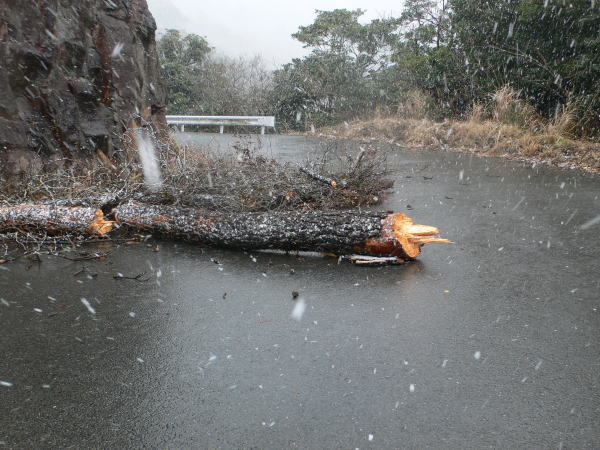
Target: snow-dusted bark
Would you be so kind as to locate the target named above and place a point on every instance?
(340, 232)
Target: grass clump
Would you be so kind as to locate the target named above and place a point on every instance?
(504, 126)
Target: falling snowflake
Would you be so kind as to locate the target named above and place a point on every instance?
(590, 223)
(299, 309)
(117, 50)
(87, 304)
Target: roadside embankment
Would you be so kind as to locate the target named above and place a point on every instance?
(507, 127)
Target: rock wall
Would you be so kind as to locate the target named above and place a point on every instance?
(73, 76)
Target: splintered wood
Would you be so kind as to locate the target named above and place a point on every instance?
(400, 237)
(340, 232)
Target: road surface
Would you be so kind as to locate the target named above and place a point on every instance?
(490, 342)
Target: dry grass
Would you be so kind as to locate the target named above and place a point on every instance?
(508, 108)
(414, 106)
(239, 180)
(506, 126)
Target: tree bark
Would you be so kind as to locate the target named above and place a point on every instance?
(54, 219)
(340, 232)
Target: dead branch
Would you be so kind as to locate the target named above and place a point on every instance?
(138, 277)
(365, 260)
(318, 177)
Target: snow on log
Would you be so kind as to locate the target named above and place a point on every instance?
(54, 219)
(340, 232)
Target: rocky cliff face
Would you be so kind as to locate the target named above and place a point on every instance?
(73, 76)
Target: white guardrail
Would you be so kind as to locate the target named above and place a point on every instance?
(222, 121)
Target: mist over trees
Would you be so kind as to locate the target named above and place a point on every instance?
(456, 53)
(202, 82)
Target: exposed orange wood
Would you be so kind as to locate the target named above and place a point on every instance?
(400, 237)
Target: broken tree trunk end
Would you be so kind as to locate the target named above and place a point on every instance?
(340, 232)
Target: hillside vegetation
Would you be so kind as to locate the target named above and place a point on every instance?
(508, 76)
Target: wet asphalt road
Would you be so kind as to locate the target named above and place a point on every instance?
(491, 342)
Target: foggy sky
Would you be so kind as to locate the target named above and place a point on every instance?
(251, 27)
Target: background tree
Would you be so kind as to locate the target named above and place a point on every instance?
(425, 57)
(341, 77)
(200, 81)
(547, 49)
(181, 58)
(457, 52)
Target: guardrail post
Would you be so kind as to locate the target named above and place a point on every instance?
(182, 128)
(262, 130)
(221, 128)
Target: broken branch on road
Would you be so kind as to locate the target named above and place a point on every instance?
(323, 179)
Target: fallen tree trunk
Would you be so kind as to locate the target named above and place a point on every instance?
(55, 218)
(340, 232)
